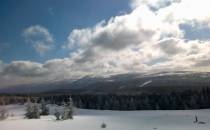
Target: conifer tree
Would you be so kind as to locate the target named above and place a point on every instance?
(68, 110)
(3, 112)
(57, 114)
(44, 108)
(32, 110)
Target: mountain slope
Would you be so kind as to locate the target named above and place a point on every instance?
(122, 83)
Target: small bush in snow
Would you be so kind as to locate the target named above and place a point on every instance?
(103, 125)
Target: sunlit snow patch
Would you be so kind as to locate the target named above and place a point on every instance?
(145, 83)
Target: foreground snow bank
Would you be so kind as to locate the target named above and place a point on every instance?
(115, 120)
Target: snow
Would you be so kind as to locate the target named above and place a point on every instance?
(115, 120)
(145, 83)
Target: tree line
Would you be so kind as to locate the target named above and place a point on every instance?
(146, 101)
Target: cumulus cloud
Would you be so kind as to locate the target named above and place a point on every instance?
(153, 4)
(39, 37)
(24, 69)
(141, 25)
(149, 38)
(171, 46)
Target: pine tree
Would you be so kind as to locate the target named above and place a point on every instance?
(32, 110)
(57, 114)
(44, 108)
(3, 112)
(68, 110)
(132, 105)
(157, 107)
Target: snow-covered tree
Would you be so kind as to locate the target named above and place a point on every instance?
(57, 114)
(68, 110)
(44, 108)
(3, 112)
(32, 110)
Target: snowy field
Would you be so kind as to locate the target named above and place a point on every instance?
(115, 120)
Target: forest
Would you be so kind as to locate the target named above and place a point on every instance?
(185, 100)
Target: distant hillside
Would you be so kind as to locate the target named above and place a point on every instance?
(134, 83)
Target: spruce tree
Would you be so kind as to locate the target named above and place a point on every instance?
(68, 110)
(3, 112)
(32, 110)
(57, 114)
(44, 108)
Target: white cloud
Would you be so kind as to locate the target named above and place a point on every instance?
(141, 25)
(189, 12)
(171, 46)
(24, 69)
(149, 35)
(39, 37)
(153, 4)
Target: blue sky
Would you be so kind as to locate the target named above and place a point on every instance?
(59, 17)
